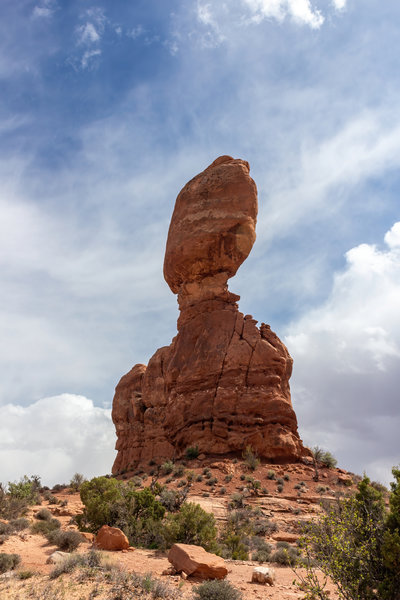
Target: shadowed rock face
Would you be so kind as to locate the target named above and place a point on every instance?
(223, 383)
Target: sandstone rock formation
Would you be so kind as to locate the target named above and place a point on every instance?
(223, 383)
(111, 538)
(195, 561)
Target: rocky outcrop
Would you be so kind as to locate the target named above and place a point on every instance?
(223, 383)
(195, 561)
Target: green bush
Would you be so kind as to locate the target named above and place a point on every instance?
(5, 528)
(234, 547)
(76, 482)
(3, 538)
(192, 452)
(237, 501)
(119, 504)
(8, 562)
(67, 565)
(357, 544)
(68, 541)
(19, 524)
(167, 467)
(285, 556)
(271, 474)
(250, 458)
(26, 489)
(191, 525)
(45, 527)
(217, 590)
(43, 514)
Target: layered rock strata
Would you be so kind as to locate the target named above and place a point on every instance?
(223, 383)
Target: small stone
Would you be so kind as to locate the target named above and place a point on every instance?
(263, 575)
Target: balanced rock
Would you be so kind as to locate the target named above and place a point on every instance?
(111, 538)
(223, 383)
(194, 560)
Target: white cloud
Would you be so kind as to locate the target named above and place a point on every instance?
(55, 438)
(347, 360)
(45, 9)
(88, 34)
(136, 32)
(300, 11)
(366, 146)
(88, 56)
(339, 4)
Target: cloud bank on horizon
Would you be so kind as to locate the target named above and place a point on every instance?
(107, 111)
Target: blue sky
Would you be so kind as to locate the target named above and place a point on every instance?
(106, 110)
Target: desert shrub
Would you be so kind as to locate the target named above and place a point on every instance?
(379, 486)
(68, 541)
(217, 590)
(190, 476)
(237, 501)
(19, 524)
(254, 485)
(178, 470)
(22, 575)
(297, 486)
(250, 458)
(43, 514)
(271, 474)
(99, 495)
(286, 477)
(212, 481)
(357, 544)
(167, 467)
(59, 487)
(261, 550)
(285, 556)
(199, 478)
(192, 452)
(112, 502)
(228, 478)
(233, 546)
(151, 585)
(280, 480)
(67, 566)
(172, 500)
(279, 488)
(76, 482)
(26, 489)
(45, 527)
(3, 538)
(8, 562)
(181, 483)
(5, 528)
(222, 490)
(191, 525)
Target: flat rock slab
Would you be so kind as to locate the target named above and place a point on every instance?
(195, 561)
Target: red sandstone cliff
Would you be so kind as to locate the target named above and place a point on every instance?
(223, 383)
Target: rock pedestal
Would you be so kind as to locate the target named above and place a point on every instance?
(223, 383)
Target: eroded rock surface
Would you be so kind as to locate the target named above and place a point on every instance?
(223, 383)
